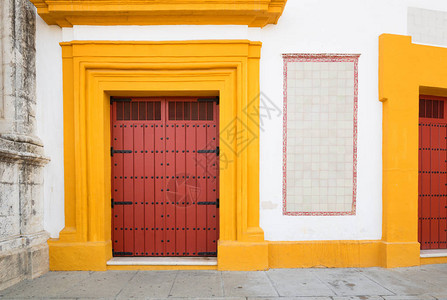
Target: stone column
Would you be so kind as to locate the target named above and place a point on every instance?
(23, 247)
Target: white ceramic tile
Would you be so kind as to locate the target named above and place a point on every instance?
(320, 106)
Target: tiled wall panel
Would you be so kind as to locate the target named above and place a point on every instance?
(320, 131)
(427, 26)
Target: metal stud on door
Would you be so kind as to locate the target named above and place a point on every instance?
(165, 176)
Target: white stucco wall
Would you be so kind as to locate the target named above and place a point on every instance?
(307, 26)
(50, 122)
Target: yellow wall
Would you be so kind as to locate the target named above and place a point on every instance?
(405, 71)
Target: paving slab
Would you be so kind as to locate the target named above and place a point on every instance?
(426, 282)
(101, 285)
(40, 298)
(433, 279)
(149, 284)
(358, 298)
(247, 284)
(298, 282)
(409, 297)
(350, 282)
(51, 284)
(197, 284)
(395, 281)
(291, 298)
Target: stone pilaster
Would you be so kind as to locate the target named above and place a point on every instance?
(23, 247)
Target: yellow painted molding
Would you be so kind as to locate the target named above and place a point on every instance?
(401, 254)
(405, 71)
(94, 71)
(79, 256)
(66, 13)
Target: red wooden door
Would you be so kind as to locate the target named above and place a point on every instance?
(165, 176)
(432, 172)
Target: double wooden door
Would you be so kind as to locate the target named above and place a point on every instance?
(165, 176)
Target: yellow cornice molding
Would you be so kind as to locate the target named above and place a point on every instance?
(66, 13)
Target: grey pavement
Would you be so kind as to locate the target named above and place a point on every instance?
(425, 282)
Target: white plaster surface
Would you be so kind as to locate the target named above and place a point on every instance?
(50, 121)
(307, 26)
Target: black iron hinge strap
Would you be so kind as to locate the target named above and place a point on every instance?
(112, 151)
(209, 203)
(120, 203)
(207, 253)
(122, 253)
(210, 151)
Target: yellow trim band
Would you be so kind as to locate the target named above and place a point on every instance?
(254, 13)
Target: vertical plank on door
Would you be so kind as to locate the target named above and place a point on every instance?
(201, 188)
(128, 189)
(159, 190)
(149, 189)
(442, 187)
(181, 184)
(139, 188)
(426, 187)
(170, 189)
(435, 181)
(211, 161)
(192, 191)
(117, 188)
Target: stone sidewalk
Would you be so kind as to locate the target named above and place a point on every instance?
(426, 282)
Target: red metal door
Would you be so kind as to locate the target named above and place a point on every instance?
(432, 172)
(165, 178)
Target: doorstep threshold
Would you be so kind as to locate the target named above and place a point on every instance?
(434, 253)
(163, 261)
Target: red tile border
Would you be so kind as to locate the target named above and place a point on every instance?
(320, 58)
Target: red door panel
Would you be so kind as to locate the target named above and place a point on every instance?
(432, 172)
(165, 176)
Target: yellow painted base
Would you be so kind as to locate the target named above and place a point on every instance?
(242, 256)
(400, 254)
(91, 256)
(342, 254)
(330, 254)
(256, 256)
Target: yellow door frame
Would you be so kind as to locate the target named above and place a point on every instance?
(94, 71)
(406, 70)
